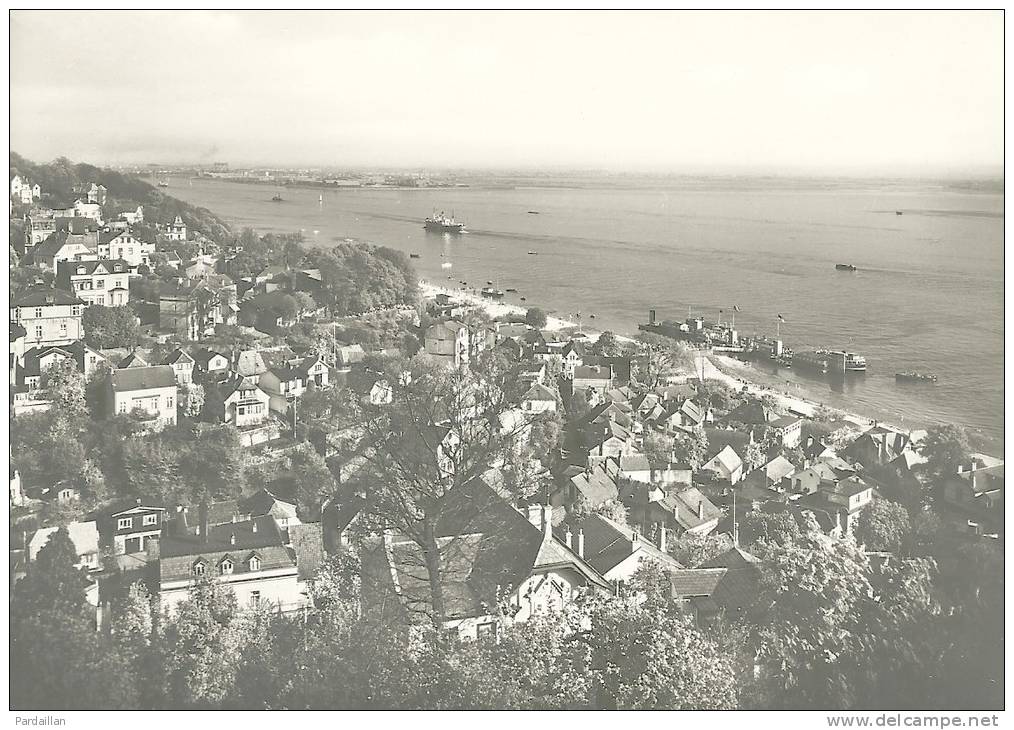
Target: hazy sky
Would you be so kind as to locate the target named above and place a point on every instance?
(884, 92)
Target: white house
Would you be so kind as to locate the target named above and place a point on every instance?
(84, 535)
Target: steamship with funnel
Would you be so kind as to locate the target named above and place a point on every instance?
(442, 223)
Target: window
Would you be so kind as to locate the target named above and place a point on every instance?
(81, 269)
(225, 567)
(123, 407)
(255, 599)
(117, 268)
(100, 284)
(63, 329)
(38, 333)
(150, 520)
(124, 523)
(199, 569)
(486, 631)
(169, 402)
(38, 312)
(255, 563)
(75, 311)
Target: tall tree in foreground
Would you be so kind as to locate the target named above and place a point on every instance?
(444, 427)
(59, 661)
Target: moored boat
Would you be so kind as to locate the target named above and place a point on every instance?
(413, 255)
(491, 293)
(915, 377)
(845, 267)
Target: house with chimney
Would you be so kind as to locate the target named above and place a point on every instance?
(448, 342)
(63, 246)
(977, 488)
(149, 392)
(126, 527)
(105, 282)
(615, 551)
(726, 465)
(123, 245)
(182, 365)
(249, 557)
(680, 509)
(493, 558)
(598, 378)
(723, 587)
(49, 316)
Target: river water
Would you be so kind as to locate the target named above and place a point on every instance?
(928, 294)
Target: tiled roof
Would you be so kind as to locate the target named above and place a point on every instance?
(258, 537)
(44, 296)
(607, 543)
(130, 379)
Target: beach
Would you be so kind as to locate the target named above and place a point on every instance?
(732, 372)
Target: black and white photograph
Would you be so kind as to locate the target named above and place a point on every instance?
(503, 360)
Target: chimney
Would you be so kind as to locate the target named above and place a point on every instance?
(700, 510)
(547, 521)
(234, 519)
(580, 542)
(138, 501)
(202, 527)
(661, 537)
(232, 539)
(633, 540)
(569, 538)
(254, 528)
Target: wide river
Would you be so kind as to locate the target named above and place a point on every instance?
(928, 294)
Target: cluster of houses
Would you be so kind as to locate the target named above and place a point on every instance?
(608, 506)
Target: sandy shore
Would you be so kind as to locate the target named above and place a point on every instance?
(734, 373)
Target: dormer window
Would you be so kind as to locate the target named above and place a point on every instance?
(199, 569)
(225, 567)
(117, 268)
(81, 269)
(254, 563)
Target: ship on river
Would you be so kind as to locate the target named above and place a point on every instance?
(442, 223)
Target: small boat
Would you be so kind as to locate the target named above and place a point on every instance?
(533, 212)
(845, 267)
(277, 199)
(914, 377)
(446, 265)
(592, 316)
(163, 183)
(413, 255)
(523, 299)
(533, 253)
(512, 290)
(898, 212)
(320, 199)
(489, 283)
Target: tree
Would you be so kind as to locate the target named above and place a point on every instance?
(191, 399)
(202, 645)
(884, 526)
(536, 318)
(692, 448)
(213, 463)
(692, 550)
(762, 530)
(61, 662)
(653, 657)
(65, 387)
(313, 481)
(110, 327)
(659, 449)
(607, 345)
(945, 448)
(755, 455)
(441, 430)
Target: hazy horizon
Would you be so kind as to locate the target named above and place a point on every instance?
(809, 94)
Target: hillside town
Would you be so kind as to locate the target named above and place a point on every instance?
(227, 445)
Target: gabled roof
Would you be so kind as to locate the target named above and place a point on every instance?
(84, 536)
(728, 582)
(691, 508)
(486, 548)
(595, 485)
(593, 372)
(258, 537)
(778, 468)
(608, 543)
(133, 360)
(752, 413)
(728, 458)
(178, 355)
(82, 268)
(248, 363)
(142, 378)
(41, 297)
(539, 392)
(634, 462)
